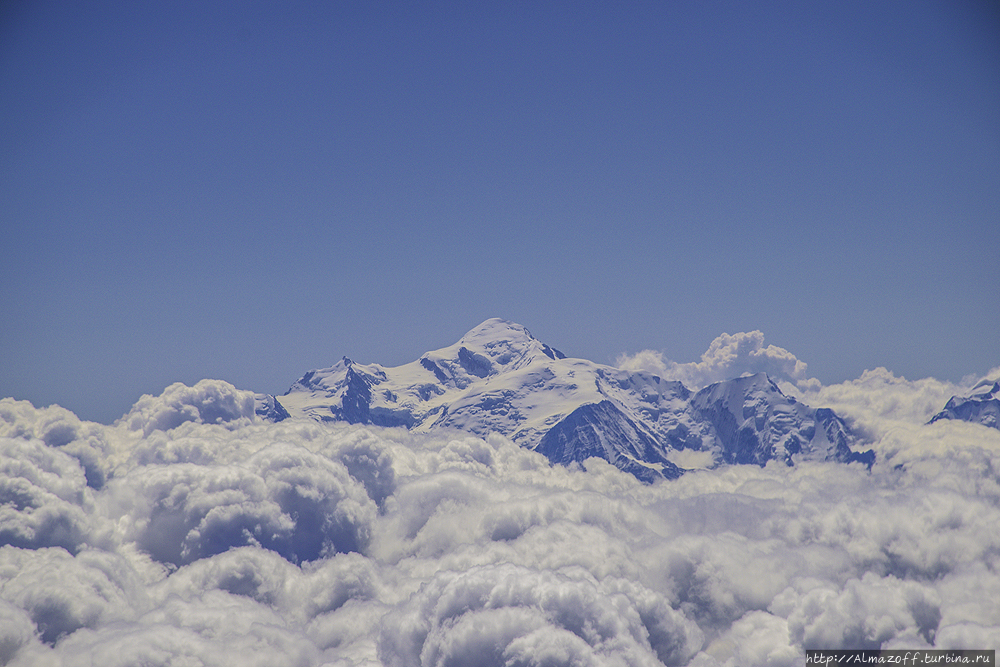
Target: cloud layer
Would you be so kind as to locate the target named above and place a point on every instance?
(191, 532)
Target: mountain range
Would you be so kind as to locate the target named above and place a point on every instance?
(499, 378)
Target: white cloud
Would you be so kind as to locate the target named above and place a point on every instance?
(879, 401)
(215, 629)
(208, 402)
(62, 593)
(44, 498)
(283, 497)
(505, 614)
(59, 428)
(300, 594)
(861, 614)
(18, 632)
(758, 638)
(728, 356)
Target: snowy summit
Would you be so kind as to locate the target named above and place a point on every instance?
(981, 406)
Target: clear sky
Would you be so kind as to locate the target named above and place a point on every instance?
(248, 190)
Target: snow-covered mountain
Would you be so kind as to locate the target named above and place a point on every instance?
(499, 378)
(981, 406)
(754, 422)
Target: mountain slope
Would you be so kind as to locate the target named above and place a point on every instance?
(981, 406)
(755, 422)
(499, 378)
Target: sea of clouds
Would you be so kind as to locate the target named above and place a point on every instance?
(193, 533)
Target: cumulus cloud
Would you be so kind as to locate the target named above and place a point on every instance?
(862, 614)
(44, 498)
(509, 615)
(208, 402)
(17, 631)
(61, 593)
(215, 629)
(61, 429)
(728, 356)
(880, 401)
(283, 497)
(224, 539)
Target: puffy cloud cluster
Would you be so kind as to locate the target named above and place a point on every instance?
(880, 401)
(504, 614)
(220, 539)
(727, 357)
(208, 402)
(285, 498)
(44, 498)
(60, 429)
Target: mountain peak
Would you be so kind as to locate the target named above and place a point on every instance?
(986, 387)
(981, 406)
(496, 343)
(497, 328)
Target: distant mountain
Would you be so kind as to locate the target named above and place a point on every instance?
(499, 378)
(981, 406)
(754, 422)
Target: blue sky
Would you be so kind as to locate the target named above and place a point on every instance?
(246, 191)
